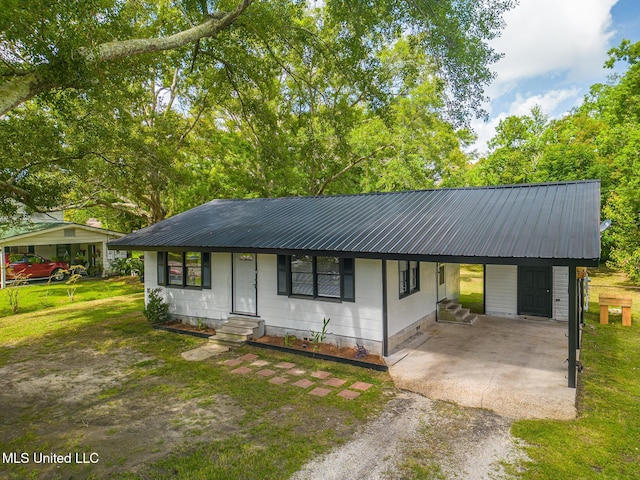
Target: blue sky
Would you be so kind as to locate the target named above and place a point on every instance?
(554, 50)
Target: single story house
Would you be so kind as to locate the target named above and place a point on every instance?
(376, 264)
(53, 238)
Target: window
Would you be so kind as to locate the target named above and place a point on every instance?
(189, 269)
(309, 276)
(441, 278)
(408, 277)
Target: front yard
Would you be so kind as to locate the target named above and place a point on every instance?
(93, 379)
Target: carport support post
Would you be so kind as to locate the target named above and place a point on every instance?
(573, 325)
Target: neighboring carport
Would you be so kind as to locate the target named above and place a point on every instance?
(515, 367)
(65, 240)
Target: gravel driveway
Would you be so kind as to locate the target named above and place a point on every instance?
(415, 434)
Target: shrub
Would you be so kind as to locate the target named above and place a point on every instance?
(156, 310)
(127, 266)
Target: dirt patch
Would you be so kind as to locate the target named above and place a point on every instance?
(420, 438)
(76, 401)
(352, 353)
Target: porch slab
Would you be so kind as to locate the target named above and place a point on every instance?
(515, 367)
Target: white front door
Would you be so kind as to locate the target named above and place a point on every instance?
(244, 283)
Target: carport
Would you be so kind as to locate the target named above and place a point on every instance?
(515, 367)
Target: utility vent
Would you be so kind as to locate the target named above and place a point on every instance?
(69, 232)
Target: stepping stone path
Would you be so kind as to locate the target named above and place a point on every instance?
(283, 373)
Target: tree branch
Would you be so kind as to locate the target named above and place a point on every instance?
(351, 165)
(20, 89)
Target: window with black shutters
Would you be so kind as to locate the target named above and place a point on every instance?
(316, 277)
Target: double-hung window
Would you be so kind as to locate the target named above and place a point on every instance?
(408, 277)
(184, 269)
(316, 277)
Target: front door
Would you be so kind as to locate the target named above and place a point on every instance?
(534, 291)
(244, 283)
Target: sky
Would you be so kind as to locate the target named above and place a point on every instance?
(554, 50)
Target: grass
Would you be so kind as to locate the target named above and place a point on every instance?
(603, 441)
(471, 287)
(39, 295)
(278, 429)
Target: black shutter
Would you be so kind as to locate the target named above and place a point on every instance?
(348, 280)
(162, 268)
(283, 275)
(206, 270)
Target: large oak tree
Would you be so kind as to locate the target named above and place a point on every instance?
(55, 55)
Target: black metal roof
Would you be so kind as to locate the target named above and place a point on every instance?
(552, 223)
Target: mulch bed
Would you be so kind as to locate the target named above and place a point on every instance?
(350, 353)
(178, 327)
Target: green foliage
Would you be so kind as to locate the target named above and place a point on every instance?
(75, 272)
(289, 340)
(156, 309)
(294, 99)
(127, 266)
(319, 337)
(13, 289)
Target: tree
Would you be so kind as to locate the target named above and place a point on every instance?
(516, 150)
(237, 60)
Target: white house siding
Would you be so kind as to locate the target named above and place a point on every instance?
(561, 293)
(501, 291)
(359, 321)
(407, 315)
(501, 295)
(210, 305)
(452, 274)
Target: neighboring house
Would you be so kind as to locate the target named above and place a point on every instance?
(376, 264)
(54, 239)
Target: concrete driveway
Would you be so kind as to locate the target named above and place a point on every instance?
(514, 367)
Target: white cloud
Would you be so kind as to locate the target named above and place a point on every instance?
(553, 38)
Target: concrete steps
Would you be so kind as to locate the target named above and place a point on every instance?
(451, 311)
(237, 330)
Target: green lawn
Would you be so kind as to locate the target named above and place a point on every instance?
(604, 441)
(40, 294)
(94, 376)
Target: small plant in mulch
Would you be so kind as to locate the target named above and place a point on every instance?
(361, 352)
(319, 337)
(289, 340)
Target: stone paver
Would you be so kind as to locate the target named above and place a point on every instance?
(320, 392)
(278, 380)
(242, 370)
(285, 365)
(292, 370)
(260, 363)
(304, 383)
(361, 386)
(348, 394)
(335, 382)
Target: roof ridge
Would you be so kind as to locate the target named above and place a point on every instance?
(401, 192)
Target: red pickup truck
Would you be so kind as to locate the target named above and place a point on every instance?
(34, 266)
